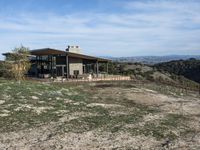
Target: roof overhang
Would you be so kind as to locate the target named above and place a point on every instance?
(46, 51)
(87, 57)
(50, 51)
(10, 53)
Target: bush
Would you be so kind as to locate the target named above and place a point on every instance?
(16, 64)
(4, 70)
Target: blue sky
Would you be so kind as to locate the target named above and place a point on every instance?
(103, 27)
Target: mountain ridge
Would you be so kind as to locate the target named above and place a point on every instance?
(152, 59)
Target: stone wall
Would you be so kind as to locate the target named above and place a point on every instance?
(75, 64)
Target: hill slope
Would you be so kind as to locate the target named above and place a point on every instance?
(139, 71)
(187, 68)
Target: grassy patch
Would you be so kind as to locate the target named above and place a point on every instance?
(22, 109)
(163, 129)
(58, 100)
(168, 90)
(25, 119)
(104, 121)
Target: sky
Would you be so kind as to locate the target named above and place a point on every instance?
(103, 27)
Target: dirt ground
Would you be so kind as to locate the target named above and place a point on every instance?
(99, 116)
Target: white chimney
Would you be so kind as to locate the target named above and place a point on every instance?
(73, 49)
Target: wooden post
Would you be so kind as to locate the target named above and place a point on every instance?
(97, 65)
(94, 69)
(37, 63)
(51, 59)
(67, 66)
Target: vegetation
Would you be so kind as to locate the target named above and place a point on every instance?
(2, 69)
(32, 103)
(16, 64)
(187, 68)
(142, 72)
(117, 108)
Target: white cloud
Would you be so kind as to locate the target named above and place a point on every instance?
(144, 28)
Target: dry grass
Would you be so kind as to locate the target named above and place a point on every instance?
(110, 115)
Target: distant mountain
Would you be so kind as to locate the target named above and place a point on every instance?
(188, 68)
(153, 59)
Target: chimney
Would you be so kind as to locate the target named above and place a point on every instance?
(73, 49)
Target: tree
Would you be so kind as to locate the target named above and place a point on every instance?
(17, 63)
(4, 69)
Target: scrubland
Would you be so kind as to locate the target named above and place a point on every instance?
(98, 115)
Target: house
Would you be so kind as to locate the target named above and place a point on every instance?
(71, 63)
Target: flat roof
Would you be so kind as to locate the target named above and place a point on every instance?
(51, 51)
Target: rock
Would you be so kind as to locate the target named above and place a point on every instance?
(4, 115)
(58, 98)
(1, 102)
(34, 97)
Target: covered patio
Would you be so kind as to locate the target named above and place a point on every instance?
(50, 62)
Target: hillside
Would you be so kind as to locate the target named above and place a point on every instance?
(187, 68)
(98, 115)
(142, 72)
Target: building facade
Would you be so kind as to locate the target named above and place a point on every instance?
(48, 62)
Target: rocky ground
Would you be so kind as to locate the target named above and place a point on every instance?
(103, 115)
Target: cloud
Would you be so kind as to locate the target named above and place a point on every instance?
(142, 28)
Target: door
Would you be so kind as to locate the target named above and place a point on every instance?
(76, 73)
(59, 71)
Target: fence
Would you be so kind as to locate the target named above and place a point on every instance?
(107, 78)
